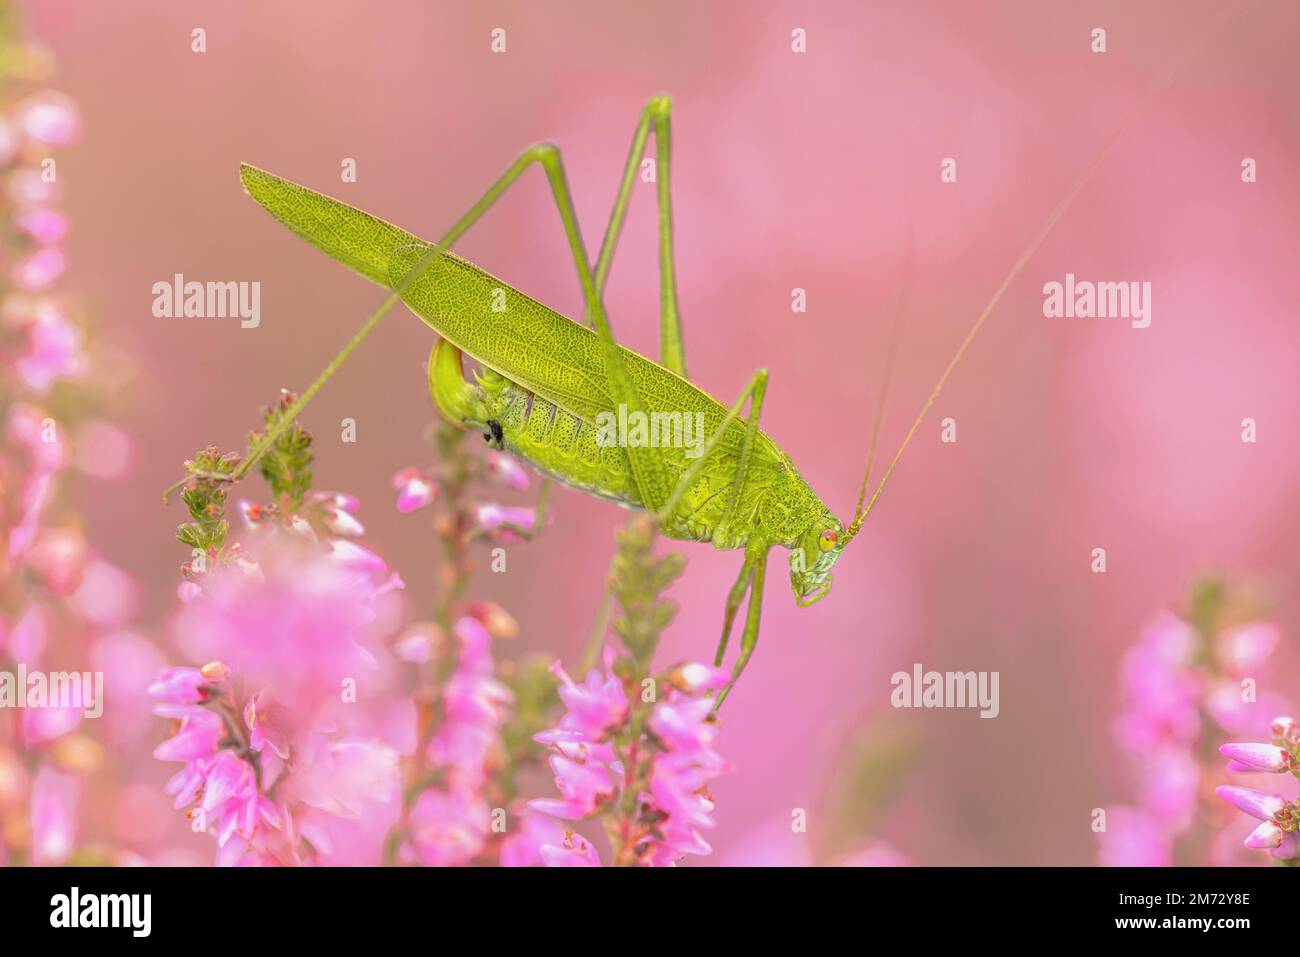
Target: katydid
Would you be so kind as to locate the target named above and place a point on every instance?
(545, 379)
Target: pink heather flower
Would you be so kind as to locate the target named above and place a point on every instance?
(49, 118)
(474, 708)
(252, 514)
(1289, 848)
(1280, 819)
(683, 724)
(679, 735)
(53, 817)
(678, 789)
(28, 637)
(356, 557)
(300, 527)
(1166, 689)
(54, 352)
(349, 776)
(1161, 690)
(302, 628)
(679, 777)
(507, 470)
(262, 731)
(339, 512)
(58, 556)
(28, 429)
(694, 678)
(449, 827)
(1238, 715)
(1267, 834)
(1256, 804)
(418, 642)
(231, 803)
(574, 851)
(45, 226)
(197, 738)
(414, 491)
(523, 844)
(492, 517)
(1170, 785)
(40, 270)
(348, 797)
(130, 664)
(499, 622)
(41, 726)
(1246, 649)
(596, 705)
(339, 794)
(269, 847)
(1257, 757)
(583, 785)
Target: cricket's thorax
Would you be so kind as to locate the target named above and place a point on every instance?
(775, 500)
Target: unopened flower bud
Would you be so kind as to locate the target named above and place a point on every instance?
(420, 642)
(1258, 757)
(693, 677)
(498, 622)
(1267, 834)
(215, 671)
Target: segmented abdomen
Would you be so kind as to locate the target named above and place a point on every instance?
(560, 444)
(567, 448)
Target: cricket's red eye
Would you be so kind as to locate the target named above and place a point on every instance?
(827, 540)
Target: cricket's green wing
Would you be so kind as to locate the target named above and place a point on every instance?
(525, 341)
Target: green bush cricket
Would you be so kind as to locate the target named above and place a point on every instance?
(546, 380)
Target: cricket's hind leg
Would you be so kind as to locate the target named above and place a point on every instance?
(656, 115)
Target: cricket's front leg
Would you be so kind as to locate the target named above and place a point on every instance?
(753, 616)
(734, 597)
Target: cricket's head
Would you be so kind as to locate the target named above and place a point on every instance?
(813, 556)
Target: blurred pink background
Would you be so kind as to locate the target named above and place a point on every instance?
(789, 171)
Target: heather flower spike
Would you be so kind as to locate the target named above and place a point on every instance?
(1280, 817)
(1183, 695)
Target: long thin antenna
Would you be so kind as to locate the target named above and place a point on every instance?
(1019, 266)
(891, 353)
(1059, 211)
